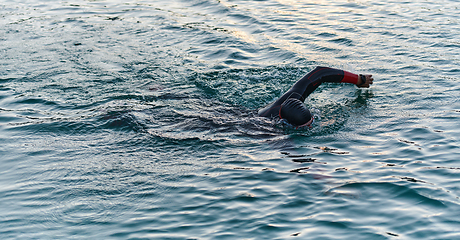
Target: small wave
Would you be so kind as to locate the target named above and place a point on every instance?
(403, 193)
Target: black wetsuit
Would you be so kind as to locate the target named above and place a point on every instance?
(306, 85)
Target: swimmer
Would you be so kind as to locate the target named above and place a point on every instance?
(290, 105)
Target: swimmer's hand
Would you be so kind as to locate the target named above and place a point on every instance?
(369, 81)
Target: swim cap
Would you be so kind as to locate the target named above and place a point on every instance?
(295, 112)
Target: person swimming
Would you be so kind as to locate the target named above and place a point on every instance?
(290, 107)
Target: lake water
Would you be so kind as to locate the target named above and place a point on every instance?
(136, 120)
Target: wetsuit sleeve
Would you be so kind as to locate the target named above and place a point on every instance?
(307, 84)
(349, 77)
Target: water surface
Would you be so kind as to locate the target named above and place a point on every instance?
(136, 120)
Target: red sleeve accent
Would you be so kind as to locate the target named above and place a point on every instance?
(349, 77)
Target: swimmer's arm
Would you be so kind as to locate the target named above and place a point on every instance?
(319, 75)
(357, 80)
(365, 84)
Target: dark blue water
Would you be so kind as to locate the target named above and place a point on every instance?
(136, 120)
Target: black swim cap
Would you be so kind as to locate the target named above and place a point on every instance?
(295, 112)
